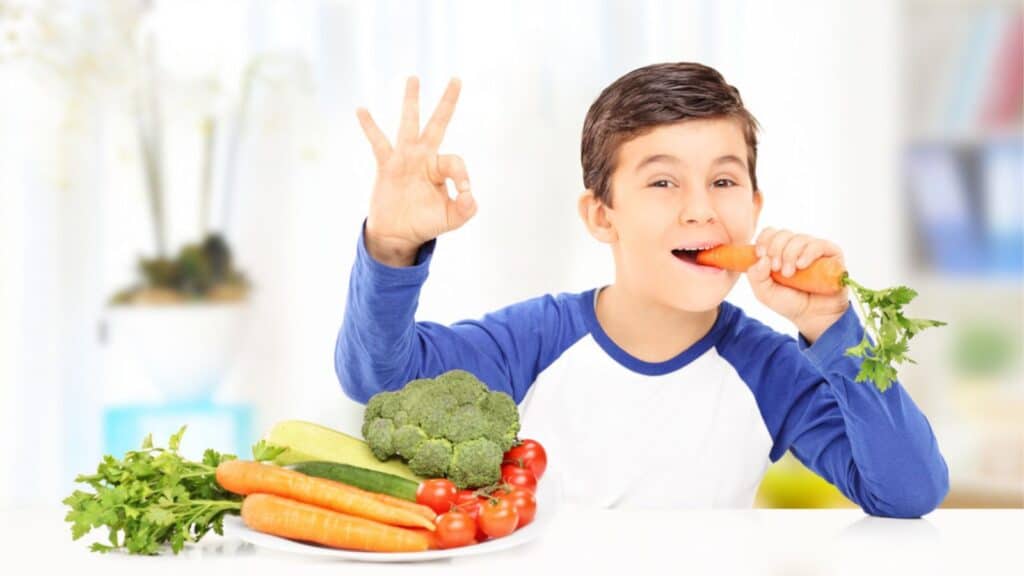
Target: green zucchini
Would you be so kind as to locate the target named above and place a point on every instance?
(371, 480)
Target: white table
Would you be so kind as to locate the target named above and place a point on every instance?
(583, 542)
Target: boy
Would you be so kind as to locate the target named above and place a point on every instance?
(652, 391)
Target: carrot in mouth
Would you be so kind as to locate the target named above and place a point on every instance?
(824, 276)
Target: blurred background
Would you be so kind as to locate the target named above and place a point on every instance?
(214, 144)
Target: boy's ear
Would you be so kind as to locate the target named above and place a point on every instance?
(758, 204)
(594, 214)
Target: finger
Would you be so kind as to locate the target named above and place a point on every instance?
(760, 271)
(775, 246)
(438, 123)
(763, 239)
(409, 129)
(460, 210)
(463, 207)
(761, 282)
(378, 141)
(797, 243)
(451, 167)
(810, 253)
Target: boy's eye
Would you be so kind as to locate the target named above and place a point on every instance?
(661, 184)
(728, 182)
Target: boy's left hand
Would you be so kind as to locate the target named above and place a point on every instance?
(783, 252)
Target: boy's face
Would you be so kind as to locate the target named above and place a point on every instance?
(684, 185)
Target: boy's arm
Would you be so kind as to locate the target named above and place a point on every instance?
(381, 347)
(877, 448)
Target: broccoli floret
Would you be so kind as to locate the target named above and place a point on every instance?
(415, 392)
(432, 459)
(407, 440)
(475, 463)
(435, 423)
(391, 405)
(380, 435)
(377, 401)
(502, 419)
(382, 405)
(452, 425)
(429, 408)
(464, 387)
(466, 423)
(401, 418)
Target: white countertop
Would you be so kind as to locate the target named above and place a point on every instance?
(583, 542)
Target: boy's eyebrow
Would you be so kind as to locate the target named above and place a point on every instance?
(670, 159)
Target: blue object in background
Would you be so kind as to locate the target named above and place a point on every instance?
(1002, 180)
(948, 224)
(223, 427)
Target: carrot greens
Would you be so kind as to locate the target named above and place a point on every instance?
(891, 331)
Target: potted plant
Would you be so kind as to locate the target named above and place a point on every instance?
(183, 319)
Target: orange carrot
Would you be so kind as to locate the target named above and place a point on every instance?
(824, 276)
(300, 521)
(433, 541)
(425, 511)
(247, 477)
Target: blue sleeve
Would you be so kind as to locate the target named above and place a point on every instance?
(876, 447)
(380, 346)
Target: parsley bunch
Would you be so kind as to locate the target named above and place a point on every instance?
(153, 496)
(889, 328)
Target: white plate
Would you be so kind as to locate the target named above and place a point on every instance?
(548, 501)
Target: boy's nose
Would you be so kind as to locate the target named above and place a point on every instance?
(700, 218)
(697, 210)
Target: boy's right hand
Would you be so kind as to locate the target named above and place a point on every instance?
(410, 203)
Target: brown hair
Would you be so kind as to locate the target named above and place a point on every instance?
(653, 96)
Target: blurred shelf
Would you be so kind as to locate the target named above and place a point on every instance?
(966, 140)
(957, 284)
(979, 494)
(932, 4)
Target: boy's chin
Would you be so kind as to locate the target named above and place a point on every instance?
(696, 300)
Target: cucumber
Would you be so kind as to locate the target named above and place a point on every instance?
(371, 480)
(306, 441)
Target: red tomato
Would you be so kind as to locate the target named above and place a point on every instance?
(525, 504)
(467, 501)
(454, 529)
(528, 454)
(498, 518)
(521, 477)
(438, 494)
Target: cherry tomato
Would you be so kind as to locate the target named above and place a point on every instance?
(521, 477)
(454, 529)
(498, 518)
(525, 504)
(528, 454)
(467, 501)
(438, 494)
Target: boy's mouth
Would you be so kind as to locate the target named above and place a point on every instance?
(687, 255)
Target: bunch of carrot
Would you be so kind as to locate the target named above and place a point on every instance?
(293, 505)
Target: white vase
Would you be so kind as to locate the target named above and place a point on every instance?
(186, 349)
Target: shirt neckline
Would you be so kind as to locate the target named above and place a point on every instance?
(627, 360)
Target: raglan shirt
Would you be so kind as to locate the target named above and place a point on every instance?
(696, 431)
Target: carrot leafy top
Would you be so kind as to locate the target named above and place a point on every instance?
(154, 496)
(890, 331)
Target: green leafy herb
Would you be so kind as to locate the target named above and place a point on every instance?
(153, 497)
(890, 330)
(263, 451)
